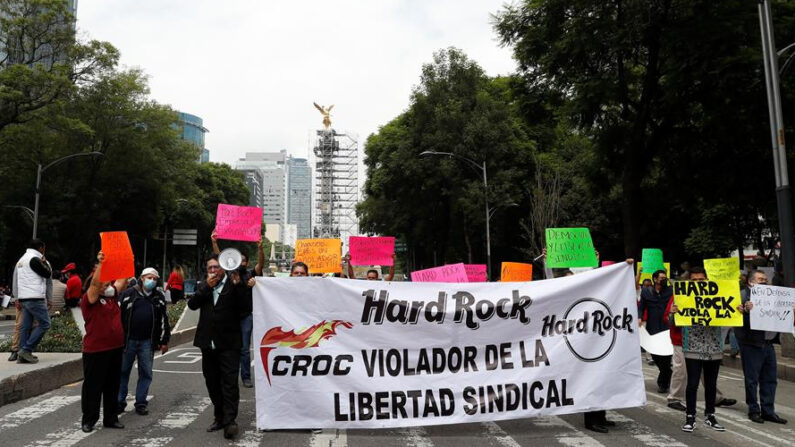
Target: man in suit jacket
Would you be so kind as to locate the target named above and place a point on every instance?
(221, 300)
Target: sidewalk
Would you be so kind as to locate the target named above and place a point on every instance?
(20, 381)
(786, 365)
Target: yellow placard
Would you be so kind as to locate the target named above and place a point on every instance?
(320, 255)
(707, 303)
(644, 276)
(722, 268)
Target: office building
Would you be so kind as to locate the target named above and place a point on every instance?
(192, 130)
(299, 196)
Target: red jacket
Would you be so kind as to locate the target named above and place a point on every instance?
(174, 282)
(676, 332)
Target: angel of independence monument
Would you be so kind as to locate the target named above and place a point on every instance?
(336, 157)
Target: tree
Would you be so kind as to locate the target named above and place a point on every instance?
(436, 203)
(670, 94)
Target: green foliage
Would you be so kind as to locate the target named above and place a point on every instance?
(63, 335)
(437, 202)
(175, 311)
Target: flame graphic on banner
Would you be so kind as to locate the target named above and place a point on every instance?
(307, 338)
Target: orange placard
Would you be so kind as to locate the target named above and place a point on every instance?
(516, 271)
(320, 255)
(119, 260)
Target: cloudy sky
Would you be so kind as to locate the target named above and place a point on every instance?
(252, 68)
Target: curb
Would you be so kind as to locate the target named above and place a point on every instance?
(40, 381)
(785, 371)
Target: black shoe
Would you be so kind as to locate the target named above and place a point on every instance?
(607, 423)
(217, 425)
(597, 428)
(116, 424)
(13, 357)
(247, 383)
(756, 417)
(676, 405)
(690, 424)
(87, 428)
(774, 418)
(726, 402)
(142, 411)
(662, 390)
(231, 430)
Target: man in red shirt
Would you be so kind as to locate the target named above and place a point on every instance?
(74, 285)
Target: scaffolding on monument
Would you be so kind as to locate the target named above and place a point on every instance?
(336, 184)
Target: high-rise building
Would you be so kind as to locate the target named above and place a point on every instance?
(192, 130)
(254, 180)
(299, 196)
(271, 166)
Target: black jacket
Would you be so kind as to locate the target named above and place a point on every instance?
(654, 304)
(745, 335)
(161, 330)
(219, 323)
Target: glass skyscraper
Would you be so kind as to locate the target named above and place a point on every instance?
(193, 130)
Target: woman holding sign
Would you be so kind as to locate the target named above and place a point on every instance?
(102, 350)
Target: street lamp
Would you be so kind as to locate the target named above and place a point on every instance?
(28, 211)
(41, 170)
(482, 168)
(783, 193)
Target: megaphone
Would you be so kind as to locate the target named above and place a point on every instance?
(230, 259)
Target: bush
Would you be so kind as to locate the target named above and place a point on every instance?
(175, 311)
(63, 335)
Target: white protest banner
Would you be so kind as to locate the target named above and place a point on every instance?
(773, 308)
(339, 353)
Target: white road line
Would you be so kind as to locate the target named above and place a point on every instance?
(664, 409)
(185, 414)
(643, 433)
(415, 437)
(251, 438)
(499, 435)
(36, 411)
(574, 439)
(329, 438)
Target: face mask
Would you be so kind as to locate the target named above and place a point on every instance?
(664, 283)
(110, 291)
(149, 284)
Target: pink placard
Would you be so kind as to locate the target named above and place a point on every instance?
(445, 273)
(606, 263)
(238, 223)
(372, 250)
(476, 272)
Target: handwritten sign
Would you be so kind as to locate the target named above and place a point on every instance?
(707, 303)
(372, 250)
(773, 308)
(652, 259)
(238, 223)
(516, 271)
(320, 255)
(722, 268)
(119, 261)
(476, 272)
(645, 276)
(445, 273)
(570, 247)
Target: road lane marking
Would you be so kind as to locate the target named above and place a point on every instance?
(499, 435)
(575, 438)
(185, 414)
(415, 437)
(36, 411)
(329, 438)
(643, 433)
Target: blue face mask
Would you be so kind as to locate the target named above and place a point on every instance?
(149, 284)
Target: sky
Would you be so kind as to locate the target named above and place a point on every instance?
(252, 68)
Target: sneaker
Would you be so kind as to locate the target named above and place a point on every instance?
(710, 421)
(690, 423)
(676, 405)
(26, 357)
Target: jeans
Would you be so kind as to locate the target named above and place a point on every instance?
(759, 369)
(33, 309)
(694, 369)
(246, 326)
(734, 346)
(141, 349)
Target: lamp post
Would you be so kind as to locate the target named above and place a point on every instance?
(783, 193)
(165, 231)
(482, 168)
(41, 170)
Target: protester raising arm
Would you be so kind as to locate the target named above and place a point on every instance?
(260, 259)
(96, 287)
(214, 239)
(391, 270)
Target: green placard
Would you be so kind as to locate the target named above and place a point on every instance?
(570, 247)
(652, 259)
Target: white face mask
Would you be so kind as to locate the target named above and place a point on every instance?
(110, 291)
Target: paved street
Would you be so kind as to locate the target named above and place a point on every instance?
(180, 412)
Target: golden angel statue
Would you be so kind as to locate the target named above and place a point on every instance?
(326, 111)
